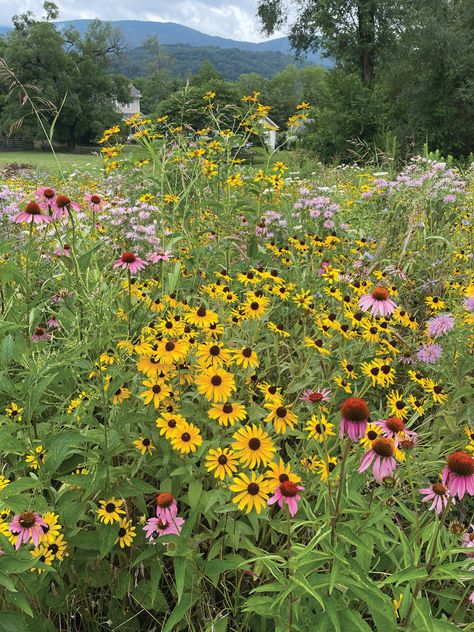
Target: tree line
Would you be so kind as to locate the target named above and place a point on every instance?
(402, 77)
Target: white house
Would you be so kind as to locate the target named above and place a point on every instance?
(133, 107)
(270, 129)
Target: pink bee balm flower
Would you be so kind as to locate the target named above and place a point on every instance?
(355, 415)
(439, 494)
(32, 214)
(316, 397)
(27, 525)
(130, 261)
(382, 456)
(40, 334)
(378, 302)
(166, 506)
(458, 475)
(61, 205)
(164, 255)
(287, 492)
(157, 527)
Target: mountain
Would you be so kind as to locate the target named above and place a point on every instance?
(189, 48)
(136, 31)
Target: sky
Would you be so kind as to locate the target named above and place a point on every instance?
(234, 19)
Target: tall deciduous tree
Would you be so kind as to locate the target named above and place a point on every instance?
(353, 32)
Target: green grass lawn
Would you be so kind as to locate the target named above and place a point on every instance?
(46, 161)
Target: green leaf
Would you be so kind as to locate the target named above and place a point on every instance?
(19, 600)
(302, 583)
(10, 622)
(180, 575)
(332, 613)
(180, 612)
(85, 259)
(352, 620)
(107, 537)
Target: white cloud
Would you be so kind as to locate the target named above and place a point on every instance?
(235, 19)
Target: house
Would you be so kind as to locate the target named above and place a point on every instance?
(133, 107)
(270, 129)
(296, 133)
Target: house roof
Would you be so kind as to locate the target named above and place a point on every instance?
(134, 92)
(268, 121)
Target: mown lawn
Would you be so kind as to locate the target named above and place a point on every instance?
(46, 161)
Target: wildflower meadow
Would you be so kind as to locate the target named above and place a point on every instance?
(236, 395)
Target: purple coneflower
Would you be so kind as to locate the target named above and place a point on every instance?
(63, 252)
(157, 527)
(27, 525)
(45, 194)
(316, 397)
(32, 214)
(40, 334)
(458, 475)
(468, 539)
(164, 255)
(355, 415)
(429, 354)
(287, 492)
(378, 302)
(61, 205)
(395, 429)
(382, 456)
(166, 506)
(439, 494)
(52, 323)
(94, 200)
(440, 325)
(130, 261)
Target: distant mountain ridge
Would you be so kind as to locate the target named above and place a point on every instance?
(171, 33)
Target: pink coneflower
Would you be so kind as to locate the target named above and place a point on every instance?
(166, 506)
(439, 494)
(440, 325)
(164, 255)
(287, 492)
(471, 597)
(458, 475)
(382, 456)
(32, 214)
(63, 252)
(94, 200)
(45, 194)
(355, 415)
(468, 539)
(52, 323)
(429, 354)
(395, 429)
(157, 527)
(40, 334)
(316, 397)
(61, 205)
(130, 261)
(378, 302)
(27, 525)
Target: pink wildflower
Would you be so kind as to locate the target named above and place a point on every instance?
(316, 397)
(458, 475)
(130, 261)
(439, 494)
(378, 302)
(287, 492)
(32, 214)
(27, 525)
(40, 334)
(164, 255)
(166, 506)
(382, 456)
(157, 527)
(355, 415)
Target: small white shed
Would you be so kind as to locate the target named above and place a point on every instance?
(270, 129)
(133, 107)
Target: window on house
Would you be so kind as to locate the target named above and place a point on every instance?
(128, 106)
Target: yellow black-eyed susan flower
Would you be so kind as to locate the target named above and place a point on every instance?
(227, 413)
(253, 446)
(168, 423)
(215, 384)
(252, 493)
(110, 510)
(125, 533)
(319, 428)
(221, 462)
(187, 438)
(144, 445)
(280, 416)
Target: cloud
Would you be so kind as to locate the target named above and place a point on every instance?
(235, 19)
